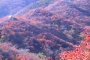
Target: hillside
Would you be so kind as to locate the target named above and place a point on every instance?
(45, 29)
(8, 7)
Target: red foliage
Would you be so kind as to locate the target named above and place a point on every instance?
(3, 32)
(81, 52)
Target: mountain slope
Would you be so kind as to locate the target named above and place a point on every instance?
(40, 3)
(46, 29)
(8, 7)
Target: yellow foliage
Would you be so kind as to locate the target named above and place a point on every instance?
(82, 35)
(2, 36)
(71, 31)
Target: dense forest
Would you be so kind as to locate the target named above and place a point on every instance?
(46, 30)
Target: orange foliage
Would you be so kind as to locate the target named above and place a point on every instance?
(20, 57)
(8, 26)
(6, 59)
(81, 52)
(12, 32)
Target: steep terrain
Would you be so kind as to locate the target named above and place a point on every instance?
(44, 28)
(8, 7)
